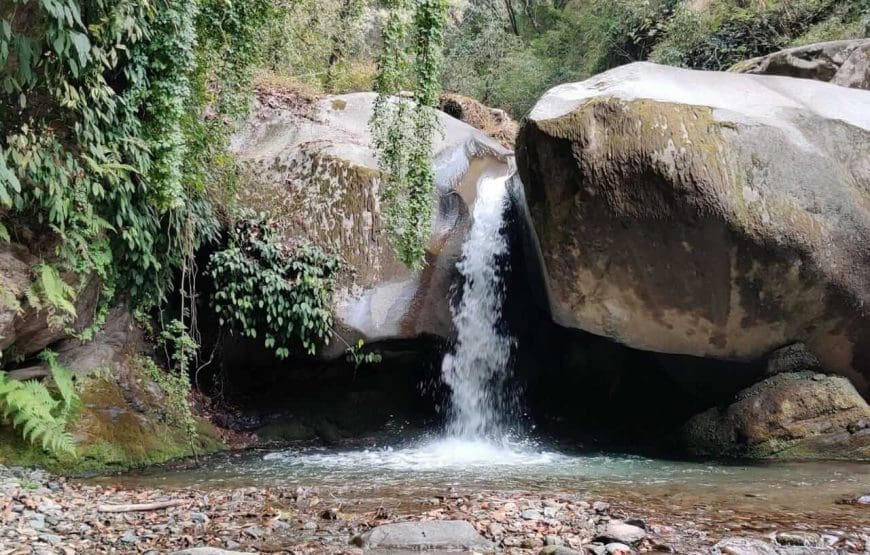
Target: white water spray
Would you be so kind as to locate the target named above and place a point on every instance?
(477, 367)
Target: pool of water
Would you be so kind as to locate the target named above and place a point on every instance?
(407, 474)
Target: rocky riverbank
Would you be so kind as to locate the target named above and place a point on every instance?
(44, 514)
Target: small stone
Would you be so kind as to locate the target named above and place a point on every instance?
(558, 550)
(310, 525)
(496, 530)
(550, 512)
(199, 518)
(617, 531)
(254, 531)
(129, 537)
(798, 539)
(280, 525)
(600, 507)
(617, 548)
(329, 514)
(51, 539)
(231, 544)
(531, 514)
(553, 540)
(863, 500)
(595, 549)
(743, 546)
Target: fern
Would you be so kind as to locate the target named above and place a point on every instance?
(30, 407)
(50, 292)
(4, 233)
(63, 381)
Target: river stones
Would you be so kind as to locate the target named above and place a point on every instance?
(711, 214)
(435, 534)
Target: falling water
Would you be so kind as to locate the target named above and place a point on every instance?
(477, 367)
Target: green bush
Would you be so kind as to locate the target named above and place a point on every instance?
(266, 289)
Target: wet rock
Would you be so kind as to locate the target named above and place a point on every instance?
(743, 546)
(595, 549)
(863, 500)
(617, 531)
(436, 534)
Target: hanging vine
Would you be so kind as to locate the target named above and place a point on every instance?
(403, 130)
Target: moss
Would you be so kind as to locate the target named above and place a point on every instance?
(120, 424)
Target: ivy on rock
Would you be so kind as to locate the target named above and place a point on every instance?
(403, 130)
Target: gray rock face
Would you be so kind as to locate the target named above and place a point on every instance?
(705, 213)
(792, 415)
(843, 62)
(24, 330)
(416, 536)
(314, 169)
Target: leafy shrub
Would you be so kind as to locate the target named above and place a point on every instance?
(40, 417)
(266, 289)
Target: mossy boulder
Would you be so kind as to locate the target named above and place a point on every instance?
(124, 418)
(796, 415)
(704, 213)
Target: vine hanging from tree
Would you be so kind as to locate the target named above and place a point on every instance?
(403, 130)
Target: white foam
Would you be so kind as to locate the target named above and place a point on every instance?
(441, 454)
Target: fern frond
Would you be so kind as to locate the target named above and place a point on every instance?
(4, 233)
(31, 409)
(63, 380)
(54, 290)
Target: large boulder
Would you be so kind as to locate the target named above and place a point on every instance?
(791, 415)
(702, 213)
(842, 62)
(312, 165)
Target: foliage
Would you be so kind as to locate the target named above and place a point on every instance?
(731, 31)
(508, 53)
(355, 355)
(321, 45)
(106, 140)
(403, 131)
(176, 385)
(266, 289)
(41, 417)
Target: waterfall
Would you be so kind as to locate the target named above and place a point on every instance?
(477, 367)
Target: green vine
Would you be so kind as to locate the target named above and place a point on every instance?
(403, 131)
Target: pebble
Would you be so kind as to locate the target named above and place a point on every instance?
(199, 518)
(129, 537)
(51, 539)
(617, 548)
(531, 514)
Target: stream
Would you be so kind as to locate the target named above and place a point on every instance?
(482, 451)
